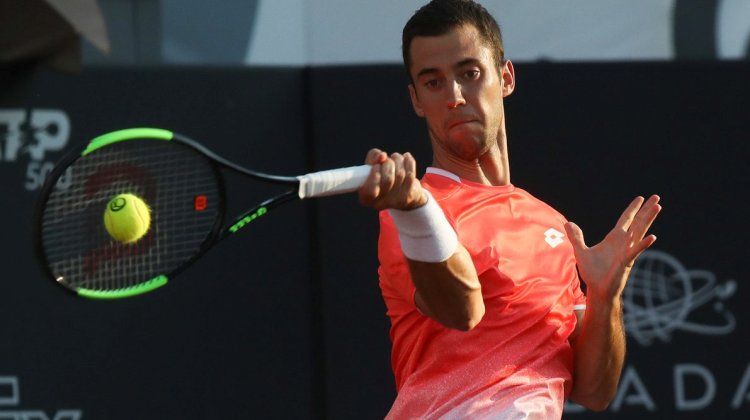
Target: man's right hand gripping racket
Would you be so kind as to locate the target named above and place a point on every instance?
(179, 181)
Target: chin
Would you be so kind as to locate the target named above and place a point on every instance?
(470, 149)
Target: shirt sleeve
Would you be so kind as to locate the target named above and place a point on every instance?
(395, 279)
(579, 297)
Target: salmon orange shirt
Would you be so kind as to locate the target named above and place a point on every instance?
(517, 361)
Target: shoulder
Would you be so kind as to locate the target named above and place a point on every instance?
(440, 183)
(539, 204)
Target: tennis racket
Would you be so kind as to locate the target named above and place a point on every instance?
(181, 182)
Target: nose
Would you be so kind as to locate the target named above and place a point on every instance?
(455, 96)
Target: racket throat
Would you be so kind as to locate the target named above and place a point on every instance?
(261, 210)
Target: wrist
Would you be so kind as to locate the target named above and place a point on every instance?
(605, 306)
(424, 232)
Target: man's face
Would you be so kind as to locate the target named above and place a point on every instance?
(459, 91)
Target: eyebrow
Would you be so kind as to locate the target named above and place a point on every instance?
(433, 70)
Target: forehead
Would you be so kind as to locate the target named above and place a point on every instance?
(445, 51)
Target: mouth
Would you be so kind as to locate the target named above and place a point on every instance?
(461, 122)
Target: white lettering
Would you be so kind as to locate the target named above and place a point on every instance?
(630, 378)
(10, 395)
(40, 415)
(681, 402)
(44, 130)
(37, 172)
(51, 128)
(11, 120)
(34, 176)
(9, 383)
(741, 395)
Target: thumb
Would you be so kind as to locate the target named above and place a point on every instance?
(575, 234)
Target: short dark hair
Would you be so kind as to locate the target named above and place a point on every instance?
(439, 17)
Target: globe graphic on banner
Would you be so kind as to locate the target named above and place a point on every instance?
(661, 295)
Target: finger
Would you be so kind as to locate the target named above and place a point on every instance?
(626, 218)
(398, 170)
(387, 170)
(410, 165)
(415, 196)
(410, 171)
(641, 246)
(375, 156)
(370, 190)
(645, 217)
(575, 235)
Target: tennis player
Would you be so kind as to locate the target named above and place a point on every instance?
(480, 278)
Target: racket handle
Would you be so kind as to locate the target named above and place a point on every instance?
(333, 181)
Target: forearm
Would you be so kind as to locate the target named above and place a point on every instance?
(599, 354)
(449, 291)
(442, 271)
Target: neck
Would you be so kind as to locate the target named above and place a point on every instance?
(490, 168)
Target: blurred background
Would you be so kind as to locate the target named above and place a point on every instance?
(613, 99)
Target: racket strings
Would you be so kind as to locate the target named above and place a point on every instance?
(180, 187)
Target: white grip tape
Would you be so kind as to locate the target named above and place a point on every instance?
(425, 233)
(333, 181)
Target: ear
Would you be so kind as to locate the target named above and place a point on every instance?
(415, 100)
(508, 74)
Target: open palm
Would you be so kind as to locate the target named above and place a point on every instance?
(605, 266)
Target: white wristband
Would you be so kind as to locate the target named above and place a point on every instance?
(424, 232)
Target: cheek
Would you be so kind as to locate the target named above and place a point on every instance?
(492, 104)
(432, 112)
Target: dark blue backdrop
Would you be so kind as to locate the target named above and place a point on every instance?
(286, 320)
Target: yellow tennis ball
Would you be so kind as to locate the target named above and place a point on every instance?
(127, 218)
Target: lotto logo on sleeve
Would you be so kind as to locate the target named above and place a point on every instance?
(553, 237)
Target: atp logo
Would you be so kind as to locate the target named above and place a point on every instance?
(31, 134)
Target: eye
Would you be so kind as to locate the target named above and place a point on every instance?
(472, 74)
(432, 84)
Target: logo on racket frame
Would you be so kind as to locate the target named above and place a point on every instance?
(247, 219)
